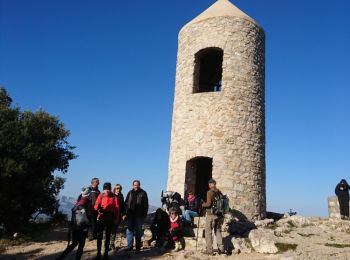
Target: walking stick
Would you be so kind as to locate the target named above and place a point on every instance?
(197, 231)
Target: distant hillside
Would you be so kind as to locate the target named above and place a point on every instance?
(67, 203)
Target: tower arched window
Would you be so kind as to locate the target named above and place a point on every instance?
(208, 70)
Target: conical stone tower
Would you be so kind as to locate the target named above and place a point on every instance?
(218, 126)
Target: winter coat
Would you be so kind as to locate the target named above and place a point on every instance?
(342, 189)
(192, 205)
(136, 203)
(175, 228)
(107, 206)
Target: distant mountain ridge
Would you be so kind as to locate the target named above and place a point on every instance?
(67, 203)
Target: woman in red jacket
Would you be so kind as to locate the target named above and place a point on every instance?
(107, 207)
(174, 235)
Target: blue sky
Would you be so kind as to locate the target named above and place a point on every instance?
(107, 69)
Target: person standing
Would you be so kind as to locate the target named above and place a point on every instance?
(117, 190)
(342, 192)
(107, 207)
(136, 204)
(94, 192)
(212, 221)
(79, 227)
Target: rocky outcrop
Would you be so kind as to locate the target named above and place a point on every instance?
(263, 241)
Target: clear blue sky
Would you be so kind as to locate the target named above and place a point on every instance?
(107, 69)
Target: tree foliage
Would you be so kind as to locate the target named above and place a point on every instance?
(33, 145)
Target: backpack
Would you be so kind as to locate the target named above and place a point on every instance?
(79, 217)
(220, 204)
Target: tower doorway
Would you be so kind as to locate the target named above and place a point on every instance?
(198, 173)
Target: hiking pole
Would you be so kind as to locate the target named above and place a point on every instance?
(197, 231)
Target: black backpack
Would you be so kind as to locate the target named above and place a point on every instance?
(220, 204)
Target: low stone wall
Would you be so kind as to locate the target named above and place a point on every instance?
(333, 207)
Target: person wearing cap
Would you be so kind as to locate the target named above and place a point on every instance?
(107, 206)
(136, 204)
(212, 221)
(79, 233)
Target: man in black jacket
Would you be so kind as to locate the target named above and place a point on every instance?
(136, 203)
(342, 192)
(94, 192)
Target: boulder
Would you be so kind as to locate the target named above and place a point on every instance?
(242, 245)
(263, 223)
(294, 221)
(263, 241)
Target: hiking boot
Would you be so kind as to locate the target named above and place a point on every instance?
(177, 246)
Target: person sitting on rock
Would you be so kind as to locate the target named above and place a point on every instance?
(174, 235)
(191, 208)
(342, 192)
(159, 227)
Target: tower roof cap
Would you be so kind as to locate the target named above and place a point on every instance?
(221, 8)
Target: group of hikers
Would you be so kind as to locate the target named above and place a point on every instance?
(97, 215)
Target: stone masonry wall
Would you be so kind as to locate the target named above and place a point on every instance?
(228, 126)
(333, 207)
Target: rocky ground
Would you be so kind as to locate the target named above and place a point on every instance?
(293, 237)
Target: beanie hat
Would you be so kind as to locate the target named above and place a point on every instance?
(85, 192)
(107, 186)
(212, 181)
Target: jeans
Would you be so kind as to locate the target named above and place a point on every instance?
(188, 215)
(134, 228)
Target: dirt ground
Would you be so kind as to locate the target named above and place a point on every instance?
(320, 240)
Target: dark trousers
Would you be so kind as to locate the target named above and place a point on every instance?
(344, 205)
(93, 227)
(78, 239)
(104, 225)
(114, 234)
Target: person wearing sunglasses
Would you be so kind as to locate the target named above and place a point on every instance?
(117, 190)
(174, 236)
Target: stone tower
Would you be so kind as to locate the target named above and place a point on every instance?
(218, 125)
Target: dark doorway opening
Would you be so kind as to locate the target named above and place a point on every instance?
(208, 70)
(198, 172)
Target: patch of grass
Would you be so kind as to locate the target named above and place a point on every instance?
(337, 245)
(305, 235)
(284, 247)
